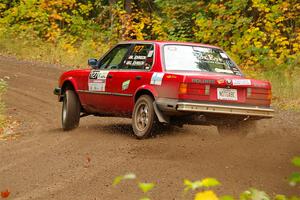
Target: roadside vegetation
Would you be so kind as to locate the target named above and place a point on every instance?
(263, 37)
(2, 116)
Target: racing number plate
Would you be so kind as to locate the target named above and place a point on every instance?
(227, 94)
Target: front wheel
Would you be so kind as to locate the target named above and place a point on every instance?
(143, 117)
(70, 111)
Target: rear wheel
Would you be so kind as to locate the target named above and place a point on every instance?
(239, 129)
(70, 111)
(143, 117)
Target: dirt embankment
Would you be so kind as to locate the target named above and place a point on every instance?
(46, 163)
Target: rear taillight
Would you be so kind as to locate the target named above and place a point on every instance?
(269, 97)
(182, 88)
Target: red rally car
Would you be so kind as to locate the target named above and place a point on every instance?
(159, 83)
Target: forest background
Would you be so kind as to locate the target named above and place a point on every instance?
(262, 36)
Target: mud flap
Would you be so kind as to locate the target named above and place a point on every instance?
(161, 117)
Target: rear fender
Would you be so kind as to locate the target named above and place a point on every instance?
(150, 90)
(145, 89)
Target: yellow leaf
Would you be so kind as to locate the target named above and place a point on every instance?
(210, 182)
(206, 195)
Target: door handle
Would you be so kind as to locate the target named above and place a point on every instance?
(109, 76)
(138, 77)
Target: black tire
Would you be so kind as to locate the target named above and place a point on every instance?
(143, 117)
(70, 115)
(238, 129)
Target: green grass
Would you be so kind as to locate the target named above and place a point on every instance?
(2, 107)
(285, 85)
(285, 88)
(32, 48)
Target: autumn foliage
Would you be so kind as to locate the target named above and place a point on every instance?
(253, 30)
(262, 36)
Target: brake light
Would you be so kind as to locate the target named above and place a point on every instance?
(182, 88)
(269, 97)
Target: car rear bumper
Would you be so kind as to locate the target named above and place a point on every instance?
(224, 109)
(171, 105)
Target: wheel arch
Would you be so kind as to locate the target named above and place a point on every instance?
(145, 91)
(67, 85)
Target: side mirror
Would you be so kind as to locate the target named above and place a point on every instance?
(93, 63)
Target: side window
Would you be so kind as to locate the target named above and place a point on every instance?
(113, 59)
(140, 57)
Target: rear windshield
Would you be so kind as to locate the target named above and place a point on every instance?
(196, 58)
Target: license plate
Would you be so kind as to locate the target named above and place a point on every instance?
(227, 94)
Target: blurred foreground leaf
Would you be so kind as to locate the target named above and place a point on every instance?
(254, 194)
(145, 187)
(296, 161)
(189, 185)
(128, 176)
(280, 197)
(206, 195)
(294, 178)
(210, 182)
(206, 182)
(226, 197)
(145, 198)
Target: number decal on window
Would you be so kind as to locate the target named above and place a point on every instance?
(138, 48)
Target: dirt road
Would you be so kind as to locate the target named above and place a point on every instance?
(46, 163)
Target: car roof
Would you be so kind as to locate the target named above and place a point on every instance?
(161, 43)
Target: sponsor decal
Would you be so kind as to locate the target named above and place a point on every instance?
(223, 55)
(210, 58)
(97, 80)
(172, 48)
(228, 81)
(224, 71)
(202, 49)
(220, 81)
(203, 81)
(150, 54)
(135, 62)
(171, 76)
(137, 57)
(125, 85)
(241, 82)
(138, 48)
(156, 78)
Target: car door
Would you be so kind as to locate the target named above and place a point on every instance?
(133, 72)
(99, 98)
